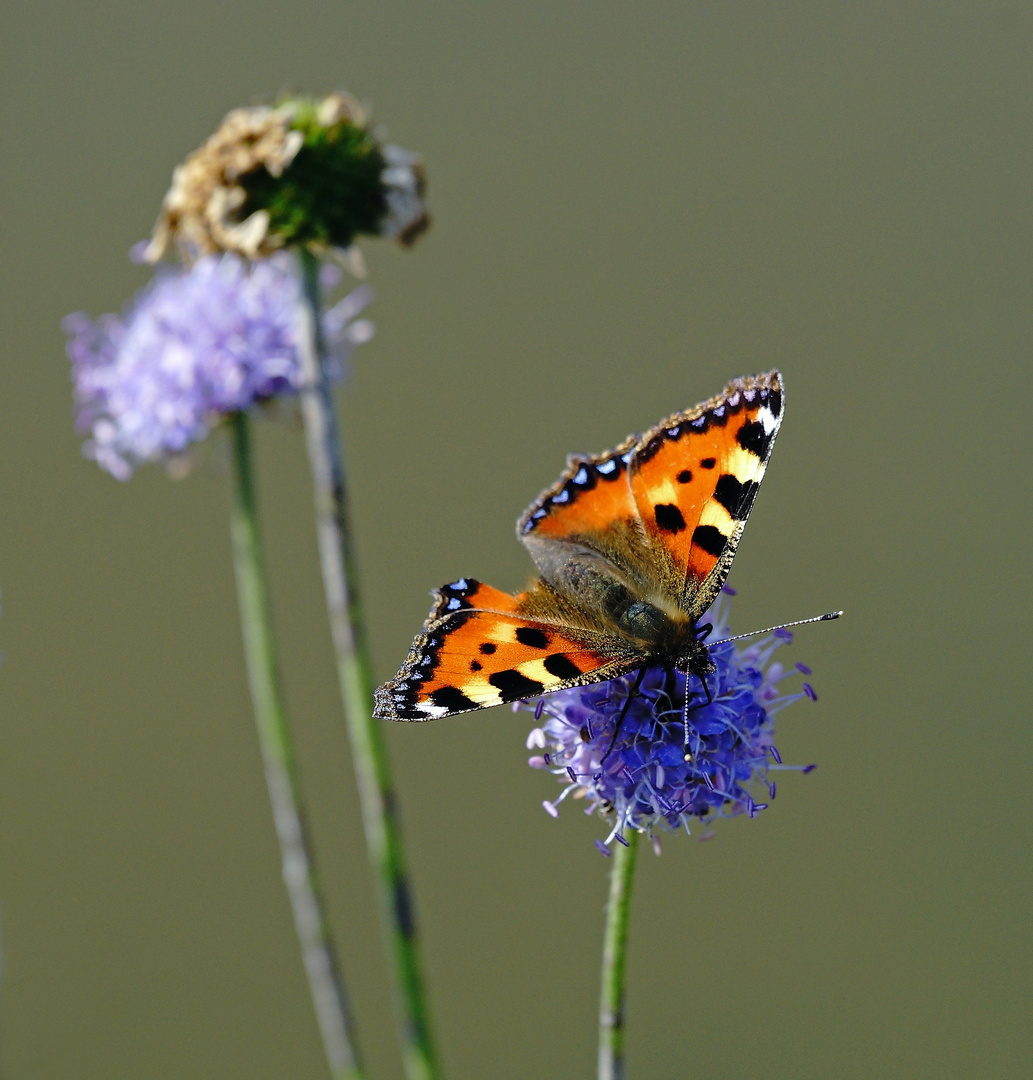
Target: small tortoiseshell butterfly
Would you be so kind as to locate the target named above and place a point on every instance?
(632, 547)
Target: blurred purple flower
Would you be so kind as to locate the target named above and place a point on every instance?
(644, 782)
(195, 343)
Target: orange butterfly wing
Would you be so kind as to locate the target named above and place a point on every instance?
(591, 495)
(670, 506)
(477, 650)
(694, 478)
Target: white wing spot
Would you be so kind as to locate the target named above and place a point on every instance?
(767, 419)
(430, 710)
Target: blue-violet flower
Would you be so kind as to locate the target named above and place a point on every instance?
(196, 343)
(645, 782)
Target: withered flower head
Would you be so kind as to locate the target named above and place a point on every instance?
(305, 172)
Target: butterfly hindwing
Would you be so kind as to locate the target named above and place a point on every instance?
(694, 478)
(591, 496)
(477, 650)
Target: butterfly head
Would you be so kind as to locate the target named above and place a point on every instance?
(695, 657)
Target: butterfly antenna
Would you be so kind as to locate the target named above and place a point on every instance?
(827, 617)
(685, 709)
(624, 711)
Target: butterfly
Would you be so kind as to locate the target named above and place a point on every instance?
(631, 546)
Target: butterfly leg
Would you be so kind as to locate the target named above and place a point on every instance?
(624, 711)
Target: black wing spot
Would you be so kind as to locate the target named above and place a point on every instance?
(512, 685)
(488, 648)
(650, 450)
(475, 665)
(710, 539)
(734, 496)
(561, 667)
(752, 437)
(452, 698)
(453, 597)
(685, 477)
(669, 517)
(532, 637)
(708, 463)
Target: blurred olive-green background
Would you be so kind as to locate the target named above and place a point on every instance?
(632, 204)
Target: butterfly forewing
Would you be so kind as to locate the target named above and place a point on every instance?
(478, 650)
(694, 478)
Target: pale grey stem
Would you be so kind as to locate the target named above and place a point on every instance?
(299, 874)
(369, 749)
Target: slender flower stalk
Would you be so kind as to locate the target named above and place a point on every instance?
(615, 940)
(299, 873)
(649, 760)
(369, 752)
(204, 343)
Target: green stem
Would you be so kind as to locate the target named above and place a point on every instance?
(369, 751)
(299, 873)
(615, 941)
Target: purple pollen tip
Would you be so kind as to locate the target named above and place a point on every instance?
(541, 705)
(601, 847)
(808, 768)
(783, 634)
(809, 691)
(728, 590)
(775, 754)
(620, 839)
(550, 809)
(803, 669)
(572, 774)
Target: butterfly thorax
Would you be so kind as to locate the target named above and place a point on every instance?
(586, 593)
(669, 642)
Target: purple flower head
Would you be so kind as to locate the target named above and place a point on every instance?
(645, 782)
(196, 343)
